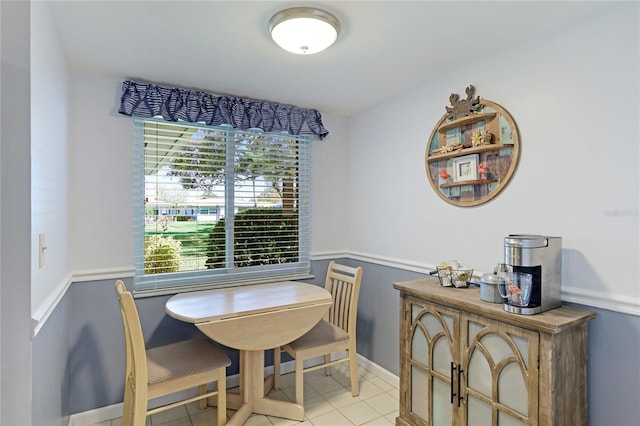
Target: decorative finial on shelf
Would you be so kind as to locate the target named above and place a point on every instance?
(462, 108)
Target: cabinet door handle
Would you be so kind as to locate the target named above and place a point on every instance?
(453, 370)
(460, 398)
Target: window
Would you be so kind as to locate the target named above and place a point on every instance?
(217, 205)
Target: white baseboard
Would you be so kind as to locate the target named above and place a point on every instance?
(114, 411)
(103, 414)
(97, 415)
(380, 372)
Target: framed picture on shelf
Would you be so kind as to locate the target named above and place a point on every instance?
(465, 168)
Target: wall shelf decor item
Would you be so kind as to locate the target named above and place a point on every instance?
(472, 151)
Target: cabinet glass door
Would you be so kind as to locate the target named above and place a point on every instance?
(501, 365)
(432, 347)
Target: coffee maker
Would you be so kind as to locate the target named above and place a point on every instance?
(540, 256)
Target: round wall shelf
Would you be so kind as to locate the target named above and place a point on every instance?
(472, 151)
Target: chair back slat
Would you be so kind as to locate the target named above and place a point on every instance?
(340, 307)
(343, 282)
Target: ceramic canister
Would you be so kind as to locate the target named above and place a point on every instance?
(489, 288)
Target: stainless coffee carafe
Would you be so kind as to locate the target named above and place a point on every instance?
(540, 256)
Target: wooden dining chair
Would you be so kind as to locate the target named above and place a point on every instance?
(336, 332)
(151, 373)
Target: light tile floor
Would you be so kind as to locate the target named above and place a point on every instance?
(327, 402)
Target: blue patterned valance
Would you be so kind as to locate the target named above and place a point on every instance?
(142, 99)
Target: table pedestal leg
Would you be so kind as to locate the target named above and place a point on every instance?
(252, 390)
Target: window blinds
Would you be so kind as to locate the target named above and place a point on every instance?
(218, 206)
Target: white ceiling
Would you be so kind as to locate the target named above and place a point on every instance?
(384, 48)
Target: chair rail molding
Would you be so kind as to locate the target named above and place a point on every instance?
(104, 274)
(41, 314)
(609, 301)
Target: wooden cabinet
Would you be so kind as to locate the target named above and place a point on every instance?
(467, 362)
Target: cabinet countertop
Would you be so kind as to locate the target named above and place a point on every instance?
(468, 299)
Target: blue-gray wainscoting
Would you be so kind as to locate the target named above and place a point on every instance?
(78, 356)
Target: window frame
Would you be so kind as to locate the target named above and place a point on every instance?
(176, 282)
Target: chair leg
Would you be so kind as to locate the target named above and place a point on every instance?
(222, 397)
(299, 381)
(140, 402)
(353, 372)
(327, 360)
(139, 412)
(128, 405)
(277, 353)
(203, 401)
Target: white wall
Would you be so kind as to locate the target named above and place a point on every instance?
(101, 177)
(15, 217)
(330, 197)
(49, 159)
(574, 96)
(101, 194)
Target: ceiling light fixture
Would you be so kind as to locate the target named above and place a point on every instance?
(304, 30)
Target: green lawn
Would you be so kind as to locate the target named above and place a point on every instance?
(193, 237)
